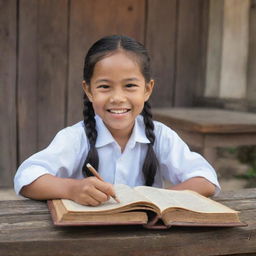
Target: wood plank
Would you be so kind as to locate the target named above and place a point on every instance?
(52, 68)
(23, 207)
(251, 88)
(235, 49)
(33, 236)
(205, 120)
(161, 43)
(214, 48)
(8, 64)
(203, 34)
(236, 195)
(27, 79)
(89, 21)
(230, 140)
(245, 204)
(188, 49)
(126, 240)
(117, 246)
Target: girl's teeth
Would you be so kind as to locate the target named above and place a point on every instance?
(118, 111)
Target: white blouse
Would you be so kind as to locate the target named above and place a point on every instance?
(65, 156)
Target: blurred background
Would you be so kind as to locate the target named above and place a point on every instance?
(203, 54)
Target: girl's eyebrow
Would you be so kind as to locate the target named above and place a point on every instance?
(131, 79)
(102, 81)
(124, 80)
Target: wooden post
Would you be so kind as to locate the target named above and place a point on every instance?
(8, 64)
(227, 51)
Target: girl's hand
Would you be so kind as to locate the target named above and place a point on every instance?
(88, 191)
(91, 191)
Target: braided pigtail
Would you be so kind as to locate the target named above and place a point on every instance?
(91, 133)
(150, 163)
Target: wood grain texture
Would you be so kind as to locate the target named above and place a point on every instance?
(202, 60)
(205, 120)
(161, 43)
(8, 64)
(234, 54)
(89, 21)
(42, 73)
(27, 229)
(27, 79)
(188, 52)
(214, 48)
(52, 68)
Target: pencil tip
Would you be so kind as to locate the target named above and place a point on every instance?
(116, 199)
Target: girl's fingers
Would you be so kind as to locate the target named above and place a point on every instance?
(98, 195)
(91, 201)
(95, 191)
(105, 187)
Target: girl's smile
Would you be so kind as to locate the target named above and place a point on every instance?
(118, 91)
(118, 111)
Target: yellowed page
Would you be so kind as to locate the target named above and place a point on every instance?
(187, 199)
(124, 193)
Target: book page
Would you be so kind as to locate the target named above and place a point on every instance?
(165, 198)
(126, 195)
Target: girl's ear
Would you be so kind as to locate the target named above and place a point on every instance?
(149, 89)
(87, 90)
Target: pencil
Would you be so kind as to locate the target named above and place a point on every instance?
(96, 174)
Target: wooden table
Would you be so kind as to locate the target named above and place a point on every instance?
(207, 129)
(26, 229)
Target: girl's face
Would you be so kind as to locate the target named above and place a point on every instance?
(118, 91)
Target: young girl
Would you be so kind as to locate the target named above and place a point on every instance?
(117, 137)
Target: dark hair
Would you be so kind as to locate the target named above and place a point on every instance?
(99, 50)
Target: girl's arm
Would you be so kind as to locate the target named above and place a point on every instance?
(88, 191)
(198, 184)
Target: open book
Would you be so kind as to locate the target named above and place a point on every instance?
(152, 207)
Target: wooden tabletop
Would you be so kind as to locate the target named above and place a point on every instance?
(207, 120)
(26, 229)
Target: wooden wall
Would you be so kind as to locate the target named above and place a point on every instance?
(42, 47)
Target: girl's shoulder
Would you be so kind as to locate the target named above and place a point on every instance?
(163, 131)
(72, 137)
(75, 129)
(166, 139)
(74, 133)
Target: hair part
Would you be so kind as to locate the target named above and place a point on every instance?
(101, 49)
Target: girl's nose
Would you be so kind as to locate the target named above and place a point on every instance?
(117, 97)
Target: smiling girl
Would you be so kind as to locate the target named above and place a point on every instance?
(117, 136)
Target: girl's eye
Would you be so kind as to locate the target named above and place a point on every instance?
(104, 86)
(131, 85)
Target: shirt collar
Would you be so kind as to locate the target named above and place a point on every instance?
(105, 137)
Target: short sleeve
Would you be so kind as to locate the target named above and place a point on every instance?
(63, 158)
(177, 162)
